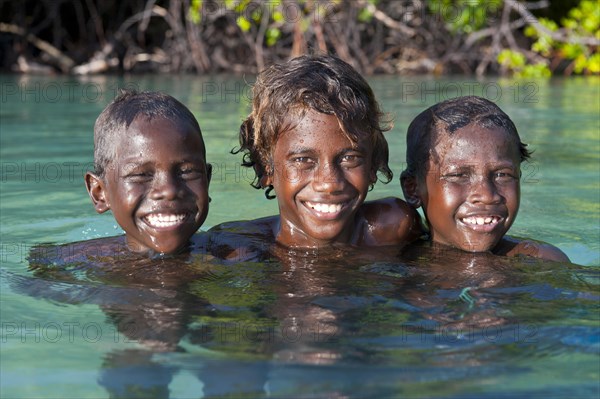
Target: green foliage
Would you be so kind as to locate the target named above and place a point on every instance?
(465, 16)
(516, 62)
(461, 18)
(249, 14)
(582, 21)
(272, 34)
(195, 12)
(365, 15)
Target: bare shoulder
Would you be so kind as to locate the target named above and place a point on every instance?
(81, 251)
(244, 240)
(248, 227)
(511, 246)
(390, 221)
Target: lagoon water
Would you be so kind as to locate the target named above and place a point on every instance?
(416, 322)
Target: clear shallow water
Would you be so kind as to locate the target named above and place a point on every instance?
(332, 325)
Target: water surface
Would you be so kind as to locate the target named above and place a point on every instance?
(415, 322)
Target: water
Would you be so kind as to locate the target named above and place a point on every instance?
(421, 322)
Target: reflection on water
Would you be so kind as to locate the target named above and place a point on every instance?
(425, 320)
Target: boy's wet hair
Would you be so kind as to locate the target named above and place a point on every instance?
(123, 110)
(449, 116)
(322, 83)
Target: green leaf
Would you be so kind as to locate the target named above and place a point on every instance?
(594, 63)
(243, 23)
(364, 15)
(195, 11)
(272, 35)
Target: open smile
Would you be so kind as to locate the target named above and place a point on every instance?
(166, 220)
(484, 224)
(325, 210)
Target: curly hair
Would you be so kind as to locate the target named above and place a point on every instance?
(322, 83)
(449, 116)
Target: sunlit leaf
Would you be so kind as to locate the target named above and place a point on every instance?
(243, 23)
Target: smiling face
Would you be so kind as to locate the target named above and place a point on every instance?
(471, 193)
(157, 185)
(321, 179)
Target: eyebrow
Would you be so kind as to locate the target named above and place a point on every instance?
(308, 150)
(138, 160)
(300, 150)
(501, 164)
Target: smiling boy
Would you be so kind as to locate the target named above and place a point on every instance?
(150, 171)
(315, 138)
(463, 168)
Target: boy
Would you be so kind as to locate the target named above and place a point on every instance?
(463, 168)
(314, 138)
(150, 171)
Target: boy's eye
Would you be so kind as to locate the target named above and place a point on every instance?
(139, 176)
(351, 160)
(303, 162)
(504, 177)
(302, 159)
(190, 173)
(455, 176)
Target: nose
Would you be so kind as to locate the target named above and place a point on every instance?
(328, 178)
(165, 187)
(484, 190)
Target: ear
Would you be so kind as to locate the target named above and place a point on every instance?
(410, 189)
(373, 177)
(266, 180)
(209, 169)
(97, 192)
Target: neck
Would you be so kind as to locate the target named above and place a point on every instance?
(289, 235)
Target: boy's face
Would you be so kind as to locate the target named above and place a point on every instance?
(321, 179)
(157, 185)
(471, 192)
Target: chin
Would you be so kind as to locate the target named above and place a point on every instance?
(477, 248)
(330, 238)
(170, 249)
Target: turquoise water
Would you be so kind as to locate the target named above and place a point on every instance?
(422, 324)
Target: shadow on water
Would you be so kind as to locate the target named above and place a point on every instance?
(420, 321)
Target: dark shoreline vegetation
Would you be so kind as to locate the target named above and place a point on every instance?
(473, 37)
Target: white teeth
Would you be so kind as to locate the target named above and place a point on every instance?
(160, 220)
(325, 208)
(481, 220)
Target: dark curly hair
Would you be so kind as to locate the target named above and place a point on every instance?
(322, 83)
(449, 116)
